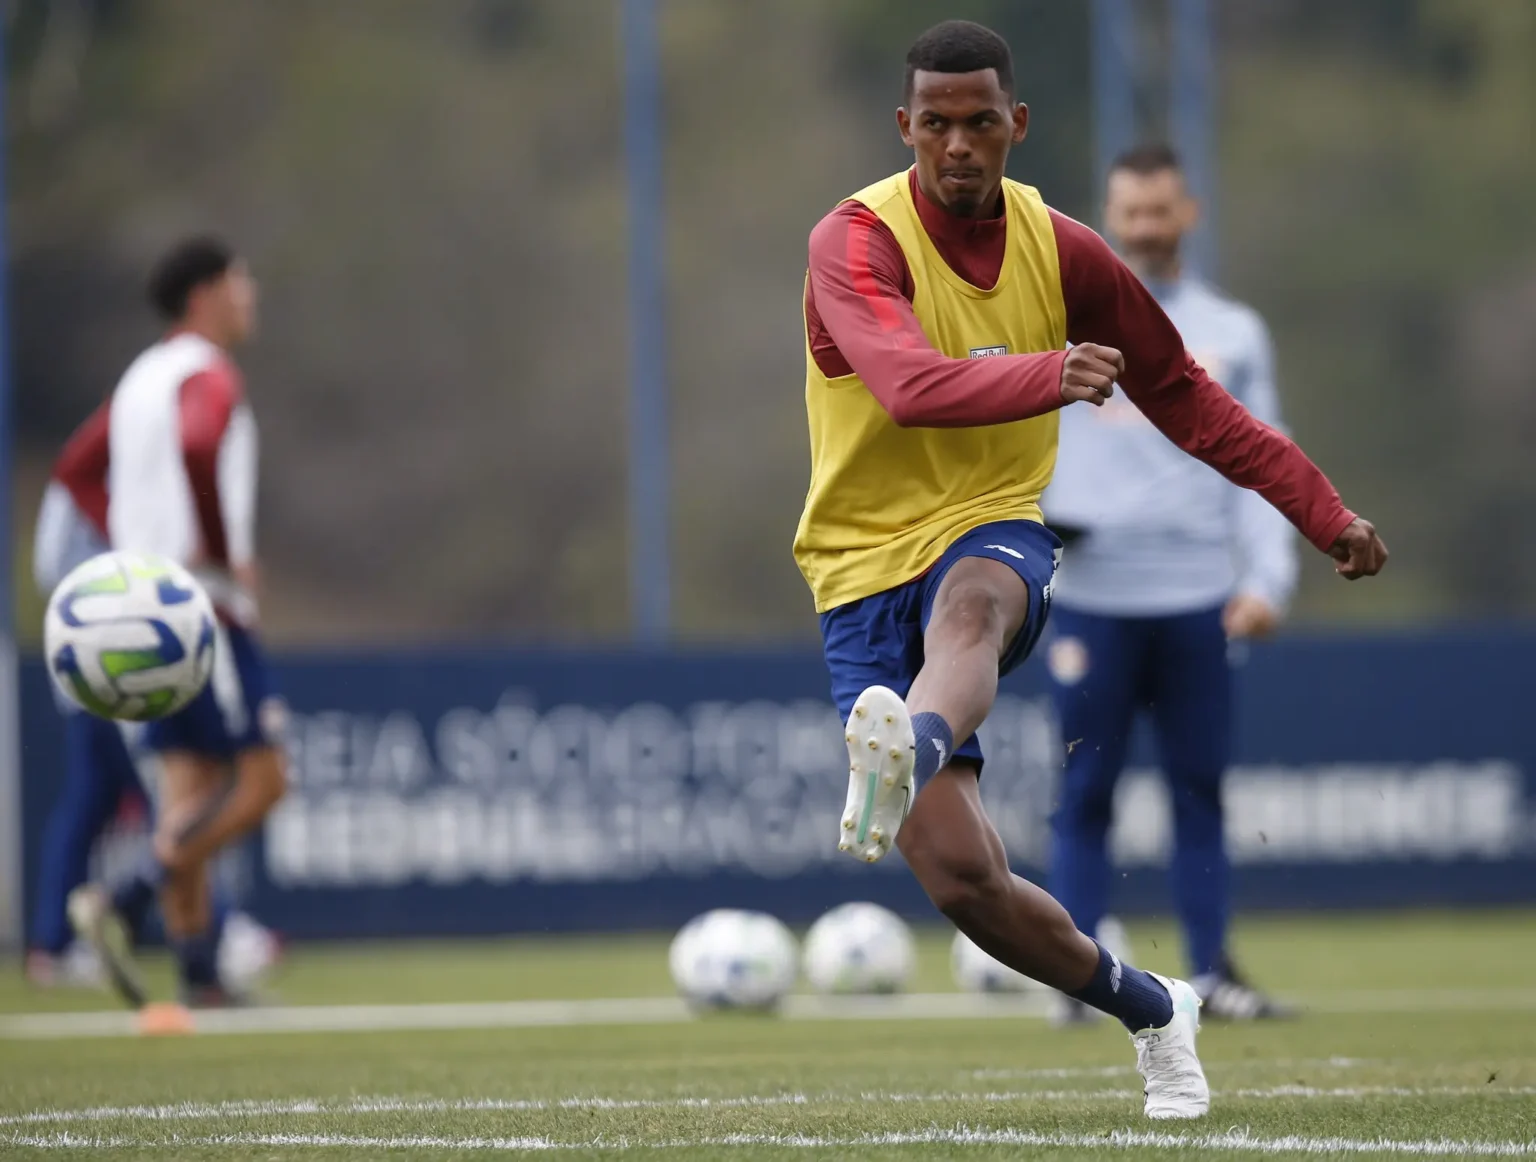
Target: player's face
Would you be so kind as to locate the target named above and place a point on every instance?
(237, 302)
(1148, 215)
(961, 126)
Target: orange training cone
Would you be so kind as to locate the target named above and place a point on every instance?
(165, 1019)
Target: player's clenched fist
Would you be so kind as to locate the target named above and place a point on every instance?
(1090, 373)
(1359, 551)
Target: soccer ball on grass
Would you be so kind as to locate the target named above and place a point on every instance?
(858, 948)
(730, 959)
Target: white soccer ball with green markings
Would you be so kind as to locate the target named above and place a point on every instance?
(129, 636)
(731, 959)
(859, 948)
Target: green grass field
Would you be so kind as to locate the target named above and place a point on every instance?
(1419, 1039)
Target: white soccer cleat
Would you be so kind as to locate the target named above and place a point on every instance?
(880, 754)
(1175, 1084)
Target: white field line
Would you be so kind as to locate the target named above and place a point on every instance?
(363, 1018)
(1335, 1062)
(1187, 1143)
(670, 1010)
(367, 1104)
(306, 1107)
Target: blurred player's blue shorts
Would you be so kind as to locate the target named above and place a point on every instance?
(236, 711)
(878, 640)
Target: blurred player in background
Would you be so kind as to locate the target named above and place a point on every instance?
(182, 483)
(1166, 564)
(938, 306)
(98, 771)
(99, 768)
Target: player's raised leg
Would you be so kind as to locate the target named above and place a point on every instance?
(980, 608)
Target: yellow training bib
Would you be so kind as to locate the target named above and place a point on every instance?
(885, 502)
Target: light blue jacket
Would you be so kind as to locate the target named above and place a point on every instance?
(1165, 533)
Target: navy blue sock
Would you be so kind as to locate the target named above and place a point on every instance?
(935, 747)
(197, 959)
(1133, 996)
(133, 897)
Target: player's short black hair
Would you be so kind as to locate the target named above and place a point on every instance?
(185, 267)
(1148, 158)
(960, 46)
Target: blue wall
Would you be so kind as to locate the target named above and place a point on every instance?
(443, 792)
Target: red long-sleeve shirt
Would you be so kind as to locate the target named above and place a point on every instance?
(859, 318)
(82, 467)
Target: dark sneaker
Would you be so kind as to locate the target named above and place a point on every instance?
(1226, 996)
(98, 923)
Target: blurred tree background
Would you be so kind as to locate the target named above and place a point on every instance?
(432, 196)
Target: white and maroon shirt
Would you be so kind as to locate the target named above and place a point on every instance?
(182, 466)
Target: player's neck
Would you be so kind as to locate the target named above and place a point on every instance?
(202, 331)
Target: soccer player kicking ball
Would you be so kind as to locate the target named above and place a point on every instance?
(938, 307)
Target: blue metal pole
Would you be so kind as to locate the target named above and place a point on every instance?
(1190, 121)
(1114, 83)
(11, 902)
(649, 490)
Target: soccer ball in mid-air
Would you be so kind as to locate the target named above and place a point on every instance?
(977, 972)
(858, 948)
(130, 636)
(730, 959)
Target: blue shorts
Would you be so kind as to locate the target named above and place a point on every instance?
(236, 711)
(878, 640)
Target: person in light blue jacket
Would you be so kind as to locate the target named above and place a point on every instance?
(1166, 566)
(98, 767)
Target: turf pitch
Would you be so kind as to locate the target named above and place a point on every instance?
(1419, 1040)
